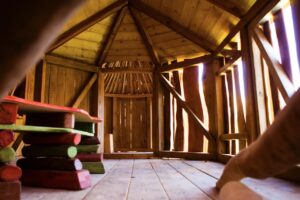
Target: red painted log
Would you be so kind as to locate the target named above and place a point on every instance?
(71, 180)
(90, 140)
(61, 120)
(52, 138)
(8, 113)
(10, 190)
(10, 173)
(93, 157)
(50, 164)
(6, 137)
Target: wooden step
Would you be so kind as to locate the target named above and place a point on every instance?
(6, 137)
(51, 119)
(71, 180)
(52, 138)
(10, 173)
(10, 190)
(94, 167)
(7, 155)
(62, 164)
(8, 113)
(89, 140)
(90, 157)
(49, 151)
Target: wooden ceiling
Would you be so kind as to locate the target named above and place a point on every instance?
(148, 30)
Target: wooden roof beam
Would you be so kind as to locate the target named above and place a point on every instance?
(186, 63)
(146, 37)
(228, 65)
(87, 23)
(175, 26)
(183, 104)
(258, 9)
(225, 5)
(111, 36)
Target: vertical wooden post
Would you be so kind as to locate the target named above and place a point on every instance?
(167, 118)
(98, 107)
(108, 123)
(295, 5)
(40, 80)
(157, 113)
(249, 87)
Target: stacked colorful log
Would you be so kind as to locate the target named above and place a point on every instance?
(50, 157)
(88, 150)
(10, 187)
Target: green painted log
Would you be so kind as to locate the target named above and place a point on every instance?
(87, 148)
(7, 155)
(85, 126)
(50, 164)
(49, 151)
(94, 167)
(89, 140)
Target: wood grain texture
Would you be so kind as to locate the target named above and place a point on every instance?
(10, 190)
(51, 138)
(49, 151)
(90, 157)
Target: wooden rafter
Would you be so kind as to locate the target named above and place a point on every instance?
(225, 5)
(167, 21)
(111, 36)
(254, 11)
(180, 100)
(87, 23)
(85, 90)
(279, 76)
(146, 37)
(185, 63)
(228, 65)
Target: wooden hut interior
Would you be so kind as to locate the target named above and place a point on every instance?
(150, 99)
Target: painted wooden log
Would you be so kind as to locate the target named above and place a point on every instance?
(61, 120)
(90, 157)
(50, 164)
(7, 155)
(72, 180)
(10, 190)
(6, 137)
(10, 173)
(85, 126)
(49, 151)
(236, 190)
(90, 140)
(274, 152)
(51, 138)
(8, 113)
(193, 100)
(94, 167)
(87, 148)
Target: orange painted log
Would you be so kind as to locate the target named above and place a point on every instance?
(52, 138)
(71, 180)
(91, 157)
(10, 173)
(6, 137)
(8, 113)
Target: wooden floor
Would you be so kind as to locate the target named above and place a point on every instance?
(161, 179)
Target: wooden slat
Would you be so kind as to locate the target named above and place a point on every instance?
(128, 95)
(145, 176)
(146, 37)
(202, 42)
(187, 155)
(233, 10)
(256, 8)
(234, 136)
(85, 24)
(85, 91)
(111, 36)
(71, 63)
(186, 63)
(187, 109)
(282, 81)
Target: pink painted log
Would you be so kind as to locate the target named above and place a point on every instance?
(91, 157)
(8, 113)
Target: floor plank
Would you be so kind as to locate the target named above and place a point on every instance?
(144, 183)
(34, 193)
(115, 184)
(203, 181)
(176, 185)
(270, 188)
